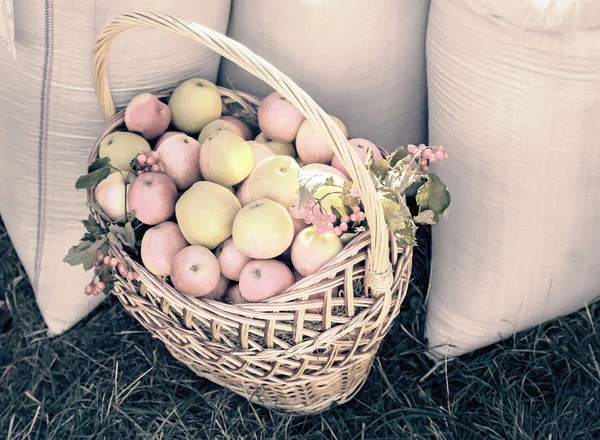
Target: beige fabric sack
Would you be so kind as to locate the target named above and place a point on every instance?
(514, 95)
(362, 61)
(49, 118)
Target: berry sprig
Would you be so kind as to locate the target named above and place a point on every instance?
(113, 265)
(427, 155)
(146, 162)
(312, 212)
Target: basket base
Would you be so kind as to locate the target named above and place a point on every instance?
(302, 397)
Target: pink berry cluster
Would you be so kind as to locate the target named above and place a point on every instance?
(96, 288)
(147, 162)
(427, 154)
(312, 212)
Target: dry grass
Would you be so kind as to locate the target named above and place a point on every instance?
(108, 379)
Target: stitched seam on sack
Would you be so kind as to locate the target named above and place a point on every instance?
(43, 135)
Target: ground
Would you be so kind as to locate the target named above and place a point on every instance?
(108, 379)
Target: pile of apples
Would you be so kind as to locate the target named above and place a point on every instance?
(219, 202)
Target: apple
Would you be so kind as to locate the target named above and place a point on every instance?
(243, 193)
(234, 295)
(360, 146)
(180, 155)
(331, 196)
(195, 271)
(311, 145)
(148, 115)
(311, 250)
(260, 152)
(193, 104)
(111, 194)
(152, 197)
(227, 123)
(323, 169)
(245, 130)
(263, 229)
(121, 147)
(225, 158)
(205, 214)
(160, 244)
(278, 118)
(262, 279)
(275, 178)
(220, 289)
(279, 148)
(231, 260)
(166, 135)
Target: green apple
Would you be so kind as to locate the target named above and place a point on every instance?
(194, 104)
(225, 158)
(205, 214)
(275, 178)
(121, 147)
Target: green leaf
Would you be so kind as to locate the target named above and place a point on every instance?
(397, 156)
(98, 209)
(335, 212)
(105, 275)
(84, 253)
(92, 227)
(347, 237)
(103, 162)
(434, 196)
(114, 239)
(426, 217)
(125, 234)
(309, 183)
(92, 179)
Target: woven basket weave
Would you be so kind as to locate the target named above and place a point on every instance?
(288, 352)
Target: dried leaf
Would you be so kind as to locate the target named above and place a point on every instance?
(426, 217)
(397, 156)
(434, 196)
(400, 224)
(125, 234)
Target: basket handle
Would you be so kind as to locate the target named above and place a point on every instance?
(380, 272)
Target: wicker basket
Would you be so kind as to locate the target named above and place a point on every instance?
(288, 352)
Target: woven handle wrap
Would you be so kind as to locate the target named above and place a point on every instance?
(380, 273)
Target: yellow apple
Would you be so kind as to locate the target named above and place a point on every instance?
(311, 250)
(205, 214)
(121, 147)
(194, 104)
(111, 194)
(279, 148)
(263, 229)
(275, 178)
(224, 124)
(225, 158)
(260, 152)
